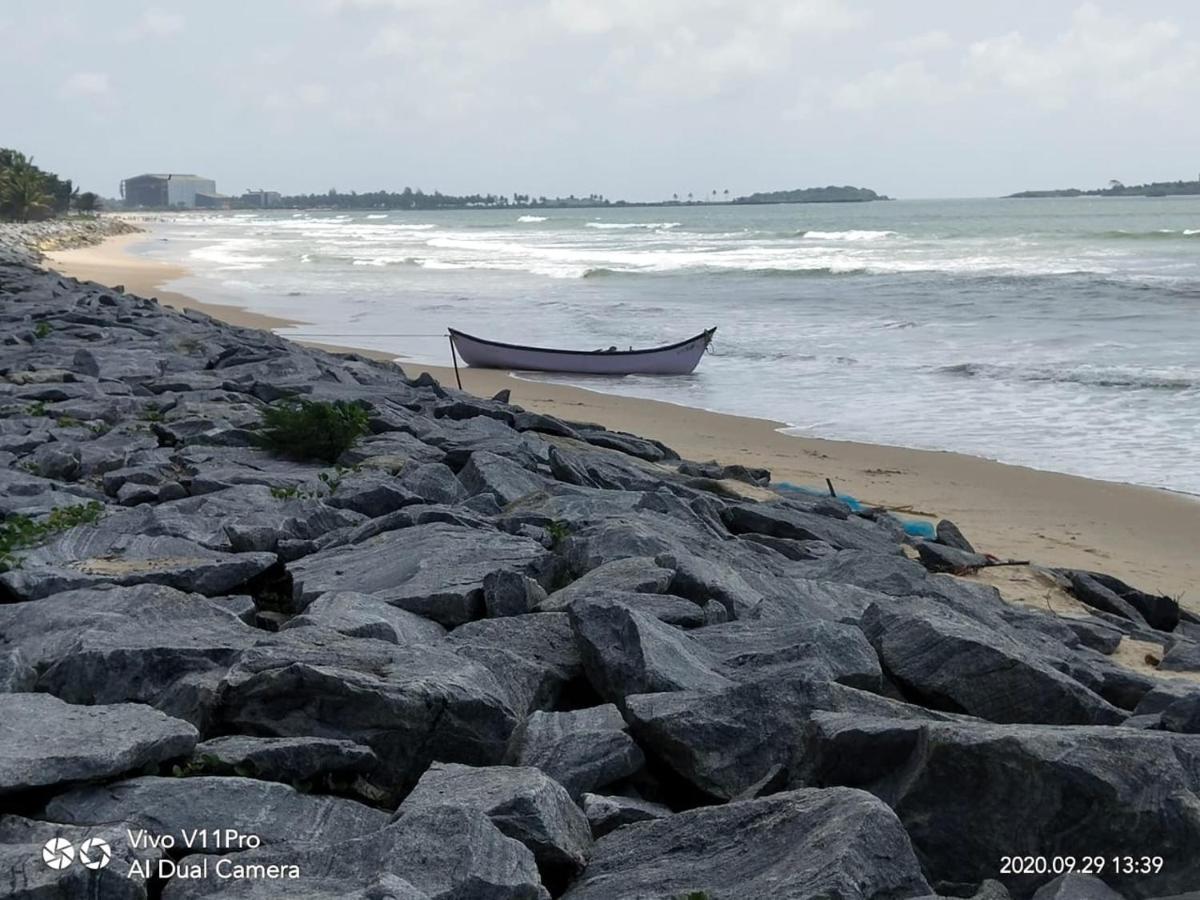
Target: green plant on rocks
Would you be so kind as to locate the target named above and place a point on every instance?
(312, 429)
(42, 330)
(20, 532)
(558, 530)
(330, 482)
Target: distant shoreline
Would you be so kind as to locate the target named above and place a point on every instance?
(1154, 189)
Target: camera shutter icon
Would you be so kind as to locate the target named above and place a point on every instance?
(57, 853)
(95, 853)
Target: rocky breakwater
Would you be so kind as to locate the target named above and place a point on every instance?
(478, 652)
(35, 238)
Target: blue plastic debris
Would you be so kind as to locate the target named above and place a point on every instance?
(913, 527)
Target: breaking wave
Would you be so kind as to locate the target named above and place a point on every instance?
(1158, 234)
(660, 226)
(1090, 376)
(854, 234)
(532, 218)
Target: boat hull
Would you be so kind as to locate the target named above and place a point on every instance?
(675, 359)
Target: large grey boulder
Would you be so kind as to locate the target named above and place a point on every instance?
(630, 652)
(522, 802)
(750, 650)
(603, 469)
(747, 739)
(583, 750)
(508, 593)
(1184, 656)
(1099, 596)
(952, 662)
(363, 615)
(16, 674)
(732, 743)
(1183, 715)
(535, 655)
(249, 517)
(285, 887)
(785, 521)
(286, 759)
(26, 877)
(507, 481)
(155, 636)
(276, 813)
(444, 853)
(623, 442)
(45, 742)
(638, 575)
(410, 704)
(799, 845)
(435, 570)
(703, 580)
(371, 493)
(1076, 886)
(969, 792)
(434, 482)
(93, 554)
(608, 813)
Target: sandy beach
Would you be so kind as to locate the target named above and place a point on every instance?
(1148, 537)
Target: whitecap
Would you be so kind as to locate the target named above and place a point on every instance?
(854, 234)
(377, 216)
(532, 218)
(659, 225)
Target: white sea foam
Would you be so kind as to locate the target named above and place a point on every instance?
(853, 234)
(532, 218)
(377, 216)
(232, 254)
(618, 226)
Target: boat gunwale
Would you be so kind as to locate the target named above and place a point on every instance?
(706, 335)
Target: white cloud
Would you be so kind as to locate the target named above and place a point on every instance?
(1111, 57)
(924, 43)
(154, 23)
(86, 84)
(301, 96)
(908, 82)
(642, 51)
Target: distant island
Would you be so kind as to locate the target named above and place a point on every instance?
(830, 194)
(1116, 189)
(418, 199)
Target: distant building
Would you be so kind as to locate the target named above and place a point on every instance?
(261, 199)
(166, 190)
(214, 201)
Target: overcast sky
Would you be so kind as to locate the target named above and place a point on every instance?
(630, 98)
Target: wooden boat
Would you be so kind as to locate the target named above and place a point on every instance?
(673, 359)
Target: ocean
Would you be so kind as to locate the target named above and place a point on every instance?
(1062, 334)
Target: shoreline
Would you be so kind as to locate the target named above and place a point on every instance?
(1146, 536)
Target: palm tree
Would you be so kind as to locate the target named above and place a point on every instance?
(23, 190)
(88, 201)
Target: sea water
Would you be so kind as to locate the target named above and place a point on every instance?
(1062, 334)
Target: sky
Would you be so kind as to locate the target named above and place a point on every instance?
(635, 99)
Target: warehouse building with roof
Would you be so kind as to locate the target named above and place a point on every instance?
(166, 190)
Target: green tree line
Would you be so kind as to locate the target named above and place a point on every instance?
(418, 199)
(27, 192)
